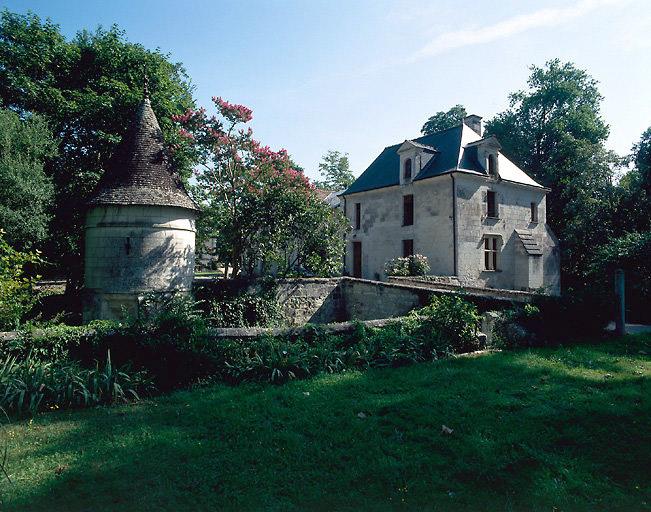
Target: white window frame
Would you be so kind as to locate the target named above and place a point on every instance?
(491, 251)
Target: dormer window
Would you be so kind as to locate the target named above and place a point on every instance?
(492, 165)
(407, 169)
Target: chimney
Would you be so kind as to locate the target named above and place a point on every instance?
(473, 122)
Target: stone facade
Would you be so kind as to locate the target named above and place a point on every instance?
(134, 250)
(381, 231)
(453, 173)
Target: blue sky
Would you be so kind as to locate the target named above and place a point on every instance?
(360, 75)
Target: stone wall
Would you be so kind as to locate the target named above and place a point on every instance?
(322, 301)
(368, 300)
(134, 250)
(316, 301)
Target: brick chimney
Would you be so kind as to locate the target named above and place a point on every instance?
(473, 122)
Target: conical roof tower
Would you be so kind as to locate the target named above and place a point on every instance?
(141, 171)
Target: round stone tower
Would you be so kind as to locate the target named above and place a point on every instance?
(140, 226)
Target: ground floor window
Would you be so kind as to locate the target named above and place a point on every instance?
(490, 252)
(407, 248)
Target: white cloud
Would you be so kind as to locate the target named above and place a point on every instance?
(515, 25)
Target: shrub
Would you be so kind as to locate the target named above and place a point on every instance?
(17, 296)
(418, 265)
(452, 324)
(30, 385)
(415, 265)
(246, 310)
(550, 321)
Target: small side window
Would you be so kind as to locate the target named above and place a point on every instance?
(358, 215)
(408, 210)
(491, 204)
(534, 212)
(407, 171)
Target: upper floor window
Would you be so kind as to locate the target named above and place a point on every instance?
(358, 215)
(492, 165)
(407, 169)
(408, 210)
(534, 212)
(491, 204)
(490, 252)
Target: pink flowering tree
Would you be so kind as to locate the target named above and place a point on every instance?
(261, 209)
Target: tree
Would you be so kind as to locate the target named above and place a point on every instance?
(641, 158)
(87, 89)
(555, 132)
(444, 120)
(260, 209)
(335, 169)
(17, 296)
(634, 189)
(26, 192)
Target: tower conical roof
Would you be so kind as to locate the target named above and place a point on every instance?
(141, 172)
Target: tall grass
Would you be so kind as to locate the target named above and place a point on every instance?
(30, 385)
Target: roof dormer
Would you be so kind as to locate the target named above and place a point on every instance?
(488, 151)
(413, 157)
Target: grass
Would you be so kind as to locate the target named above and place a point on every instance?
(544, 429)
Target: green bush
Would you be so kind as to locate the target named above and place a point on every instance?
(30, 385)
(451, 323)
(174, 345)
(17, 295)
(247, 310)
(550, 321)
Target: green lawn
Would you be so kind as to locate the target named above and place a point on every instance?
(558, 429)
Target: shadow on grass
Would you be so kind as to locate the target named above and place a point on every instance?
(566, 428)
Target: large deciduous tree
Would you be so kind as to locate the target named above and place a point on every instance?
(335, 170)
(261, 210)
(444, 120)
(26, 192)
(87, 89)
(555, 132)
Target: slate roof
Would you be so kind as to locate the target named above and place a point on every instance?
(384, 171)
(140, 172)
(454, 152)
(531, 245)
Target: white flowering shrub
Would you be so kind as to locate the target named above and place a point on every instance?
(415, 265)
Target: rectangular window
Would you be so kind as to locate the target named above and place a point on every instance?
(408, 210)
(490, 253)
(357, 259)
(358, 215)
(407, 248)
(534, 212)
(491, 204)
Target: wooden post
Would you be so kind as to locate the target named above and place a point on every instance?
(620, 312)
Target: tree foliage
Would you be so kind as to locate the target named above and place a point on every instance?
(555, 132)
(87, 89)
(261, 210)
(17, 295)
(26, 192)
(444, 120)
(335, 170)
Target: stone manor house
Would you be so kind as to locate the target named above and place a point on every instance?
(453, 197)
